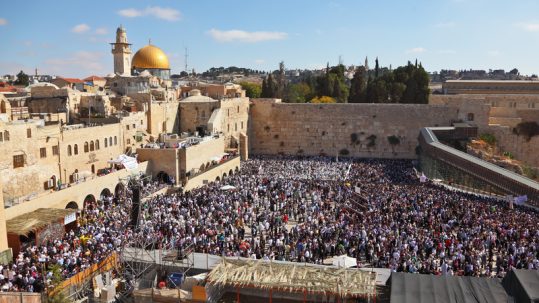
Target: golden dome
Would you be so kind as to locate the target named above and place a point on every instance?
(151, 57)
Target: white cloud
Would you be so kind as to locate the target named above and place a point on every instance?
(101, 31)
(244, 36)
(530, 27)
(164, 13)
(3, 21)
(448, 24)
(80, 28)
(260, 61)
(416, 50)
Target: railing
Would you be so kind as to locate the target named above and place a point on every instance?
(503, 180)
(200, 172)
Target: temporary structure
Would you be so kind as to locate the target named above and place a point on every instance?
(293, 278)
(228, 187)
(344, 261)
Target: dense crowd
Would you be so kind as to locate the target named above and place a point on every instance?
(305, 210)
(101, 229)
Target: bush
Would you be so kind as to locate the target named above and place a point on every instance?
(393, 140)
(354, 138)
(488, 138)
(527, 129)
(508, 155)
(344, 152)
(529, 172)
(372, 140)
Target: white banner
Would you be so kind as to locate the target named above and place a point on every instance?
(70, 218)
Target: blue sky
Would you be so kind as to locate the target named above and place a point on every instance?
(70, 38)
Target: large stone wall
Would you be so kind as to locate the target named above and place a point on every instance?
(522, 149)
(330, 129)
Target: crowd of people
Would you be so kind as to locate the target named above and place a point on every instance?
(303, 210)
(101, 229)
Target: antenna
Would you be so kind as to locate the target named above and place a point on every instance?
(186, 57)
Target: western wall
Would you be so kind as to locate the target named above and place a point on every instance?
(359, 130)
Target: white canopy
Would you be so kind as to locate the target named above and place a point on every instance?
(126, 161)
(228, 187)
(344, 261)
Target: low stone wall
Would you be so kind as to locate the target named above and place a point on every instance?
(213, 173)
(75, 193)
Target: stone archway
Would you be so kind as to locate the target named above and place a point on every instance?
(230, 172)
(217, 179)
(119, 190)
(72, 205)
(89, 200)
(163, 177)
(224, 176)
(105, 193)
(236, 170)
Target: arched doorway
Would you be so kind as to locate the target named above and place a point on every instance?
(202, 167)
(237, 170)
(89, 201)
(105, 193)
(217, 179)
(230, 172)
(163, 177)
(72, 205)
(119, 190)
(224, 176)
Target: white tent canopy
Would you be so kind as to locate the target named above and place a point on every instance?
(228, 187)
(126, 161)
(344, 261)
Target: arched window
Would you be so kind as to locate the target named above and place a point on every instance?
(92, 146)
(85, 147)
(106, 145)
(69, 150)
(96, 144)
(75, 149)
(110, 141)
(3, 107)
(6, 135)
(115, 140)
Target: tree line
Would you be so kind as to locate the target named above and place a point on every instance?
(405, 84)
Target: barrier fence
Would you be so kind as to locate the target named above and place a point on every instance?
(77, 280)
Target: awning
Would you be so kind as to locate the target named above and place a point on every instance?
(344, 261)
(24, 224)
(228, 187)
(126, 161)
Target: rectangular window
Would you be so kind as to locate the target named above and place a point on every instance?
(141, 122)
(55, 150)
(18, 161)
(43, 152)
(134, 126)
(241, 124)
(127, 127)
(128, 141)
(1, 136)
(28, 133)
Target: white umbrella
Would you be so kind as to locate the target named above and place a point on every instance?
(228, 187)
(344, 261)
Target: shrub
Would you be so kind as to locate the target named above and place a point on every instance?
(344, 152)
(529, 172)
(489, 138)
(508, 155)
(372, 140)
(527, 129)
(393, 140)
(354, 138)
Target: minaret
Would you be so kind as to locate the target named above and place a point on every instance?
(121, 51)
(366, 64)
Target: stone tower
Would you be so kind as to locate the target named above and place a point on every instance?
(121, 51)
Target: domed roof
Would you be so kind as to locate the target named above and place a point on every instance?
(151, 57)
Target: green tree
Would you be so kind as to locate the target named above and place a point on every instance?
(268, 87)
(22, 79)
(298, 93)
(252, 90)
(358, 86)
(281, 81)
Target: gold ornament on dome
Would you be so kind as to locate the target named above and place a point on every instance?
(151, 57)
